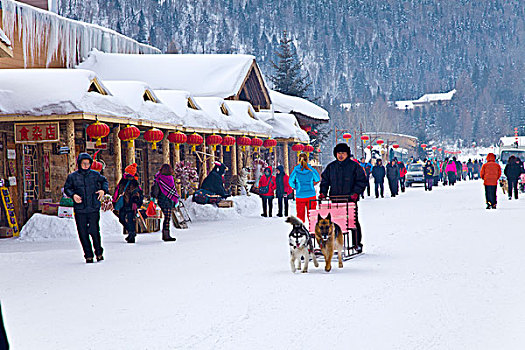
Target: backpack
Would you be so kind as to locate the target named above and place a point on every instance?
(120, 199)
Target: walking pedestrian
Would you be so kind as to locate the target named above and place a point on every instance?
(303, 179)
(87, 188)
(451, 172)
(167, 198)
(470, 169)
(490, 173)
(282, 191)
(378, 173)
(392, 175)
(428, 171)
(367, 167)
(344, 180)
(402, 174)
(129, 189)
(267, 191)
(459, 169)
(512, 171)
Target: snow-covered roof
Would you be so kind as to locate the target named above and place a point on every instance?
(56, 91)
(140, 97)
(4, 39)
(426, 98)
(285, 126)
(511, 141)
(243, 117)
(201, 75)
(62, 37)
(292, 104)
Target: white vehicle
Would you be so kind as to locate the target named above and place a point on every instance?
(510, 146)
(415, 174)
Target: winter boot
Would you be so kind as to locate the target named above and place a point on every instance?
(130, 239)
(89, 260)
(280, 215)
(166, 236)
(489, 206)
(100, 258)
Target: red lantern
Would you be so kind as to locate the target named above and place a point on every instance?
(97, 131)
(270, 144)
(129, 134)
(347, 137)
(423, 145)
(459, 152)
(308, 148)
(365, 138)
(256, 143)
(177, 138)
(298, 147)
(306, 128)
(194, 140)
(380, 142)
(228, 141)
(395, 146)
(244, 141)
(97, 166)
(153, 136)
(440, 149)
(369, 146)
(213, 141)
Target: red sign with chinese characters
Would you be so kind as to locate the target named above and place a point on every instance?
(37, 132)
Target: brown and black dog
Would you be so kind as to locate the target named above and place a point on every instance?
(329, 236)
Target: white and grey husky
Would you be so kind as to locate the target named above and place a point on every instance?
(300, 245)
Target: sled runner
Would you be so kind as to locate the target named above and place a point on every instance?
(344, 214)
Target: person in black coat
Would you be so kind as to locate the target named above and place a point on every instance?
(392, 174)
(213, 182)
(428, 172)
(512, 171)
(345, 178)
(378, 173)
(133, 199)
(87, 188)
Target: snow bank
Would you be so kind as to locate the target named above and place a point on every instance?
(201, 75)
(292, 104)
(42, 227)
(243, 206)
(65, 38)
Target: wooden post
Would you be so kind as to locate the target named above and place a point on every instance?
(117, 147)
(221, 154)
(204, 163)
(130, 153)
(165, 149)
(286, 157)
(70, 139)
(239, 159)
(177, 154)
(234, 159)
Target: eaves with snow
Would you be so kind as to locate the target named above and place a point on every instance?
(201, 75)
(55, 37)
(284, 126)
(291, 104)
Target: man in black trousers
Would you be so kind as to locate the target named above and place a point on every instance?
(87, 188)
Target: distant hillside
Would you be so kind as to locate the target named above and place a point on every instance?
(358, 51)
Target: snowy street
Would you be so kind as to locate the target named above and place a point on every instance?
(439, 272)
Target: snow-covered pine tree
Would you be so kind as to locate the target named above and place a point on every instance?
(289, 77)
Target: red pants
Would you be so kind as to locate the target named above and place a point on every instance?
(302, 204)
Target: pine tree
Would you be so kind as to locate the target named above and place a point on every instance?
(289, 77)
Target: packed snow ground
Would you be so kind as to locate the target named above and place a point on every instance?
(440, 272)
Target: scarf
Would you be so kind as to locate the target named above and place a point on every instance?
(167, 186)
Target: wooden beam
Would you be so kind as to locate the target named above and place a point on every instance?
(70, 139)
(166, 148)
(286, 157)
(117, 149)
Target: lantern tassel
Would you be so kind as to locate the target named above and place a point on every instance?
(130, 144)
(98, 142)
(154, 146)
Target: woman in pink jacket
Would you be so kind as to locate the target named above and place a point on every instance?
(451, 172)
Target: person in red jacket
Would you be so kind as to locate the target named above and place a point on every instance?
(282, 190)
(490, 173)
(267, 191)
(402, 173)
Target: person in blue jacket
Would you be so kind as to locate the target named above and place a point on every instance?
(303, 179)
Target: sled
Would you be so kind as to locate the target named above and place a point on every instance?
(180, 216)
(344, 214)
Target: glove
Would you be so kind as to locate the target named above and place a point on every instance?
(322, 196)
(354, 197)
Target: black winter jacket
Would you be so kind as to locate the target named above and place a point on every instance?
(379, 172)
(343, 178)
(428, 171)
(85, 183)
(513, 171)
(213, 182)
(392, 172)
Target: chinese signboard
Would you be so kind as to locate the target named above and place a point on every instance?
(37, 132)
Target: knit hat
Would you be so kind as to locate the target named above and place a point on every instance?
(341, 147)
(131, 169)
